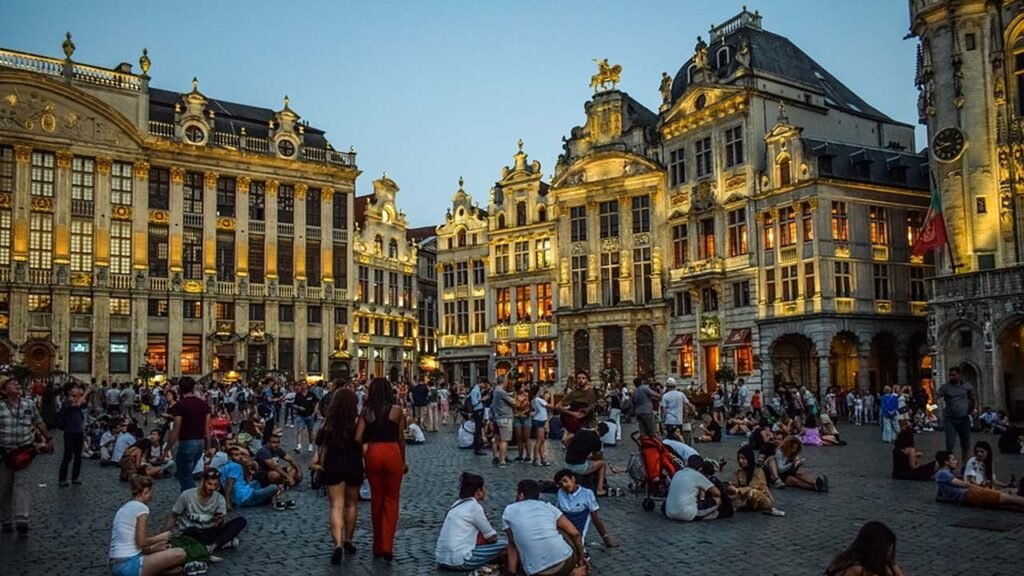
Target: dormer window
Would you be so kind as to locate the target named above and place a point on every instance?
(689, 73)
(195, 134)
(461, 238)
(378, 245)
(723, 56)
(785, 173)
(393, 248)
(542, 214)
(521, 214)
(501, 221)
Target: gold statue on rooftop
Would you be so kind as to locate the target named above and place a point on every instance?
(606, 74)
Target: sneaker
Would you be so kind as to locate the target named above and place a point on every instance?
(819, 484)
(503, 464)
(298, 448)
(64, 484)
(824, 478)
(290, 504)
(195, 568)
(775, 512)
(536, 462)
(279, 505)
(214, 559)
(545, 463)
(309, 449)
(778, 484)
(336, 556)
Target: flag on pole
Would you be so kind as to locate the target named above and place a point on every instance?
(933, 232)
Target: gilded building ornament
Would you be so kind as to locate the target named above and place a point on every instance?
(103, 165)
(121, 212)
(141, 170)
(606, 74)
(81, 279)
(177, 174)
(242, 184)
(735, 181)
(145, 62)
(22, 154)
(300, 191)
(192, 286)
(271, 188)
(327, 193)
(226, 224)
(665, 88)
(159, 217)
(642, 239)
(5, 200)
(64, 159)
(210, 179)
(42, 204)
(610, 244)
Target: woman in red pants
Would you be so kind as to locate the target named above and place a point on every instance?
(381, 431)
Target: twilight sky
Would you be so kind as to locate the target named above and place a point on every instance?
(430, 90)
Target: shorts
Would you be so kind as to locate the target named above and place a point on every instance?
(521, 422)
(538, 424)
(130, 566)
(978, 497)
(578, 469)
(504, 428)
(307, 422)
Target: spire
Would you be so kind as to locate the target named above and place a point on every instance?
(195, 84)
(286, 101)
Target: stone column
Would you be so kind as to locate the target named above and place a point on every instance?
(22, 203)
(209, 268)
(596, 353)
(629, 370)
(301, 335)
(299, 243)
(174, 232)
(824, 373)
(101, 257)
(863, 367)
(140, 263)
(242, 184)
(174, 333)
(60, 328)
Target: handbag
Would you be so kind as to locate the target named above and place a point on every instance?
(18, 458)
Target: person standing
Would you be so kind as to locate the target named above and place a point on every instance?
(381, 430)
(675, 406)
(190, 433)
(340, 458)
(643, 406)
(501, 413)
(304, 405)
(890, 413)
(476, 403)
(72, 417)
(113, 395)
(19, 422)
(420, 402)
(959, 402)
(128, 400)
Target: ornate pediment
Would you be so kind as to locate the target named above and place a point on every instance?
(606, 166)
(703, 104)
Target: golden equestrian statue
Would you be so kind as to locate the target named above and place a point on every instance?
(606, 74)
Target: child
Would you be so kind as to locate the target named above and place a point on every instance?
(580, 506)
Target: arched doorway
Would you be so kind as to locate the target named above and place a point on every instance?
(581, 350)
(882, 362)
(645, 352)
(1011, 362)
(969, 374)
(611, 340)
(843, 361)
(795, 362)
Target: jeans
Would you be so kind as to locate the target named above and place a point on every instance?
(73, 442)
(189, 452)
(260, 495)
(958, 427)
(218, 536)
(478, 430)
(890, 427)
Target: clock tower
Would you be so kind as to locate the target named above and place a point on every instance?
(970, 77)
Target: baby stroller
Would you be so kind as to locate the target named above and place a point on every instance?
(652, 468)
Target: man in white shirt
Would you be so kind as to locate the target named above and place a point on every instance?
(681, 449)
(457, 547)
(675, 406)
(745, 397)
(466, 432)
(691, 496)
(113, 400)
(535, 536)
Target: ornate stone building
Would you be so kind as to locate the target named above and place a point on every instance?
(462, 259)
(144, 225)
(384, 319)
(425, 238)
(521, 237)
(788, 209)
(969, 73)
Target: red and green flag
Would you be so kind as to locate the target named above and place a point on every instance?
(933, 232)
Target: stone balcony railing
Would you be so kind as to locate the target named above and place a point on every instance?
(982, 284)
(79, 72)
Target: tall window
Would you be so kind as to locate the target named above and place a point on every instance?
(81, 245)
(682, 304)
(286, 204)
(159, 189)
(192, 354)
(393, 248)
(787, 226)
(83, 179)
(462, 316)
(918, 292)
(680, 245)
(769, 286)
(520, 213)
(503, 301)
(769, 231)
(43, 173)
(120, 247)
(286, 261)
(193, 192)
(706, 246)
(810, 288)
(479, 276)
(677, 166)
(40, 241)
(7, 169)
(363, 286)
(226, 196)
(225, 257)
(914, 222)
(406, 301)
(734, 146)
(843, 280)
(610, 273)
(709, 299)
(121, 183)
(378, 286)
(840, 222)
(522, 256)
(579, 281)
(581, 350)
(313, 207)
(790, 283)
(807, 221)
(737, 232)
(544, 311)
(785, 175)
(158, 252)
(448, 275)
(609, 218)
(479, 315)
(313, 258)
(881, 274)
(702, 155)
(501, 259)
(642, 289)
(257, 264)
(339, 212)
(542, 252)
(523, 307)
(192, 253)
(741, 294)
(461, 273)
(392, 289)
(257, 201)
(878, 220)
(448, 317)
(578, 223)
(641, 214)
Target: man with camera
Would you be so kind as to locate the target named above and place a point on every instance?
(19, 422)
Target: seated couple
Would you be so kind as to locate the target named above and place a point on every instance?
(951, 489)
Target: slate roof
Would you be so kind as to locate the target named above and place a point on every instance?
(420, 234)
(778, 56)
(875, 165)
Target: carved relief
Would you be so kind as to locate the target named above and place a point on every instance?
(271, 188)
(610, 244)
(242, 184)
(103, 165)
(159, 217)
(177, 175)
(121, 212)
(42, 204)
(141, 170)
(327, 193)
(32, 110)
(300, 191)
(210, 179)
(22, 154)
(64, 159)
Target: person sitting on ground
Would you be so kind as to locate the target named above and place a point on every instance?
(583, 455)
(213, 457)
(580, 506)
(710, 470)
(277, 467)
(812, 436)
(133, 461)
(1011, 441)
(200, 513)
(540, 537)
(465, 434)
(708, 431)
(980, 470)
(679, 448)
(784, 468)
(783, 426)
(989, 421)
(953, 490)
(827, 428)
(906, 460)
(749, 489)
(125, 438)
(610, 438)
(761, 440)
(741, 425)
(240, 489)
(467, 540)
(691, 496)
(129, 543)
(414, 434)
(872, 553)
(158, 454)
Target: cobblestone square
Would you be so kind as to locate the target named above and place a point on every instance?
(71, 526)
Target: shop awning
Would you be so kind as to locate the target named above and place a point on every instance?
(738, 337)
(680, 341)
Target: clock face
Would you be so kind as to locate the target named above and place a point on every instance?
(286, 148)
(948, 144)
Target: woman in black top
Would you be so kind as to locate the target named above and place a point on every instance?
(905, 458)
(381, 431)
(340, 458)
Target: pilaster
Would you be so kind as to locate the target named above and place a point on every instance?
(299, 240)
(242, 184)
(174, 240)
(101, 214)
(270, 240)
(140, 219)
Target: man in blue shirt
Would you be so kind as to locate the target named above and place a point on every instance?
(476, 400)
(954, 490)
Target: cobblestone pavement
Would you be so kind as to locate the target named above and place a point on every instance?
(71, 526)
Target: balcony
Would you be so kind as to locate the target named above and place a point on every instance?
(79, 72)
(161, 129)
(543, 330)
(36, 276)
(285, 229)
(225, 288)
(880, 253)
(159, 284)
(712, 267)
(314, 293)
(313, 233)
(340, 294)
(257, 227)
(984, 284)
(522, 330)
(121, 281)
(845, 305)
(502, 332)
(120, 324)
(787, 254)
(257, 290)
(478, 339)
(227, 140)
(192, 220)
(286, 291)
(339, 236)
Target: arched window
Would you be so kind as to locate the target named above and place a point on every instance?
(393, 248)
(645, 351)
(785, 175)
(378, 245)
(1018, 73)
(461, 237)
(689, 73)
(723, 56)
(501, 221)
(542, 214)
(611, 337)
(521, 214)
(581, 350)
